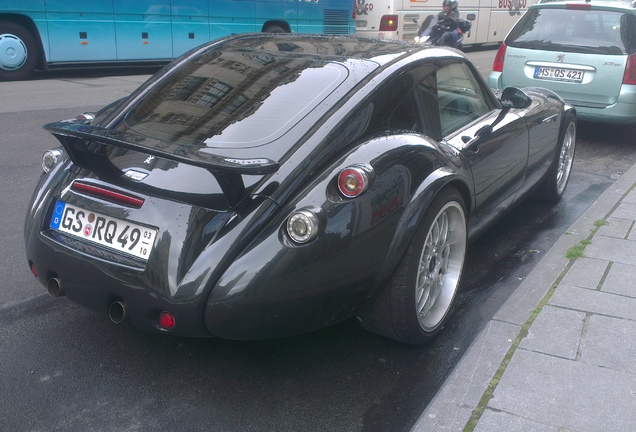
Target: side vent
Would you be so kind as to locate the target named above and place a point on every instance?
(336, 22)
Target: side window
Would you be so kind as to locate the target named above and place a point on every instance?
(405, 115)
(461, 99)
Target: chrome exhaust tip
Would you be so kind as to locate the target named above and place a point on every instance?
(54, 287)
(117, 312)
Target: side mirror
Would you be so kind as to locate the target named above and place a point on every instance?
(513, 97)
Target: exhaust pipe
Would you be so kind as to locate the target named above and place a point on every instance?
(117, 312)
(54, 287)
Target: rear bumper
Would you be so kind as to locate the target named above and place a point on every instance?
(623, 111)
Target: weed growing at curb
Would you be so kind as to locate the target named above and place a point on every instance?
(577, 250)
(572, 254)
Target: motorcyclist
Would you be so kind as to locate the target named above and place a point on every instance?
(446, 29)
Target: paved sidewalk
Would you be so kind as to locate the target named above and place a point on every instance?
(560, 355)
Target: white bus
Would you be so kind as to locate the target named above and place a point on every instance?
(401, 19)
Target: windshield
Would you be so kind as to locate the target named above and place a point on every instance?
(570, 30)
(234, 99)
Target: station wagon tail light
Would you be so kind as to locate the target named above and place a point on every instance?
(630, 70)
(50, 158)
(497, 65)
(302, 226)
(354, 180)
(389, 23)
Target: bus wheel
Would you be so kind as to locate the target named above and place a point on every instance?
(18, 52)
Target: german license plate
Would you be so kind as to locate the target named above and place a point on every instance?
(122, 236)
(559, 74)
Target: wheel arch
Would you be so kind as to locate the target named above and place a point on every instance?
(437, 181)
(276, 23)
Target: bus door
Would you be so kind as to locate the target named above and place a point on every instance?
(190, 25)
(143, 29)
(82, 31)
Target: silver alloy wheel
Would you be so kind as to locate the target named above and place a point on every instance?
(566, 158)
(440, 266)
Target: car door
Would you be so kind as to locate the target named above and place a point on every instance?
(498, 162)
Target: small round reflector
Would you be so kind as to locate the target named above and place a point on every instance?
(166, 320)
(353, 181)
(302, 226)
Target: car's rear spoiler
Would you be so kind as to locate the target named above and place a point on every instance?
(82, 142)
(76, 136)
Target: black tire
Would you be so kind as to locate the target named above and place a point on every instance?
(19, 54)
(556, 180)
(274, 29)
(415, 304)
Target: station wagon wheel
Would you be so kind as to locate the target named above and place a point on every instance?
(554, 185)
(18, 51)
(417, 300)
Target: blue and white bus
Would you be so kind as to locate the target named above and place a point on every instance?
(36, 34)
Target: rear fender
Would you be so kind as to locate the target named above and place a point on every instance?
(415, 211)
(277, 287)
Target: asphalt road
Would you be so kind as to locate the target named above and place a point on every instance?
(65, 368)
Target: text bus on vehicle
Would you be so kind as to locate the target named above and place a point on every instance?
(401, 19)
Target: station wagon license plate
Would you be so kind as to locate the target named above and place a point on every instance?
(558, 74)
(125, 237)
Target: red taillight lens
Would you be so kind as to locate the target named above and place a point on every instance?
(166, 320)
(630, 70)
(355, 5)
(497, 65)
(107, 194)
(353, 181)
(389, 23)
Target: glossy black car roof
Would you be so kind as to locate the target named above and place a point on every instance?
(250, 90)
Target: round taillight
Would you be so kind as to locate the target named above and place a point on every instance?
(302, 226)
(353, 181)
(166, 320)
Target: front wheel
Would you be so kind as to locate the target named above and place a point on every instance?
(558, 175)
(416, 302)
(18, 52)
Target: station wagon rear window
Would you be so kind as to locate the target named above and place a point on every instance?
(235, 99)
(594, 31)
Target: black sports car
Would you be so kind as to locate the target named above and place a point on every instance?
(268, 185)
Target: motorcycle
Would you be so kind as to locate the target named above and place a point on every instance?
(433, 32)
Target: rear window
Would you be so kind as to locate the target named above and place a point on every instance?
(569, 30)
(234, 99)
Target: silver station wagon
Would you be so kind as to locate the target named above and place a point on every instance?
(583, 50)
